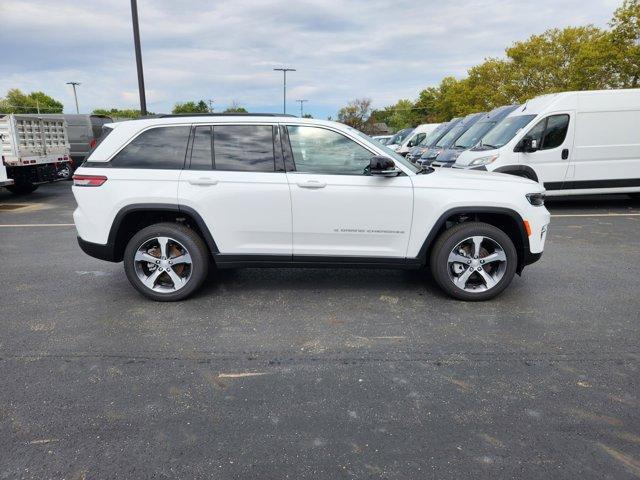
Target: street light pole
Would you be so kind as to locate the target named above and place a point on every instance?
(75, 94)
(284, 70)
(301, 102)
(136, 42)
(210, 102)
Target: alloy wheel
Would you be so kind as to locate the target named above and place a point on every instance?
(477, 264)
(163, 264)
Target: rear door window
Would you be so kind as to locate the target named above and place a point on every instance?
(245, 148)
(201, 152)
(158, 148)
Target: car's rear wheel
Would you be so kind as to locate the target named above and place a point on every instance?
(473, 261)
(166, 262)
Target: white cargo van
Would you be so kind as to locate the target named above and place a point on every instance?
(574, 143)
(419, 134)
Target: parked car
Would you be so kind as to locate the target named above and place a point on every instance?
(34, 150)
(574, 143)
(417, 136)
(382, 138)
(82, 132)
(473, 135)
(430, 140)
(448, 139)
(394, 142)
(167, 195)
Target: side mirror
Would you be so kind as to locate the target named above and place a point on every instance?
(528, 145)
(381, 165)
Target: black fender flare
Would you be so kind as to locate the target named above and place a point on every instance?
(518, 170)
(166, 207)
(515, 216)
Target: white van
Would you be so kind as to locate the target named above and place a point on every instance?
(418, 134)
(574, 143)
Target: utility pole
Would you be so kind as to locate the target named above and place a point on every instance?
(210, 102)
(284, 70)
(301, 102)
(75, 95)
(136, 42)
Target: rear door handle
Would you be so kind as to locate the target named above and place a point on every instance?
(565, 153)
(312, 184)
(203, 181)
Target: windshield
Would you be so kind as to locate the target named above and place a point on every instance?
(393, 155)
(399, 137)
(450, 136)
(472, 136)
(433, 136)
(505, 131)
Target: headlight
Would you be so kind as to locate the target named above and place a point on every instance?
(536, 199)
(484, 160)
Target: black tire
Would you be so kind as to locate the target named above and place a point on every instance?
(195, 246)
(22, 188)
(449, 239)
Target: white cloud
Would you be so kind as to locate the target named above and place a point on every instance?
(226, 50)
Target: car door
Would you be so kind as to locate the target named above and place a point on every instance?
(554, 137)
(234, 178)
(338, 209)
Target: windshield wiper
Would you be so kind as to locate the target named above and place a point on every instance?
(424, 170)
(488, 145)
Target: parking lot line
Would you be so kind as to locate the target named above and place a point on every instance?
(39, 225)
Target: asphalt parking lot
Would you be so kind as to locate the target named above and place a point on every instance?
(315, 373)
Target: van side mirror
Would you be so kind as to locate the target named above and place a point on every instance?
(384, 166)
(527, 145)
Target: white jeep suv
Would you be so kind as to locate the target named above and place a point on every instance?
(172, 195)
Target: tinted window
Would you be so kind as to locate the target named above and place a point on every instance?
(201, 158)
(162, 148)
(555, 132)
(318, 150)
(550, 132)
(243, 148)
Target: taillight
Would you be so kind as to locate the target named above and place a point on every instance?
(92, 143)
(89, 180)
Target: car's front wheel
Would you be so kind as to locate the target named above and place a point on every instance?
(473, 261)
(166, 261)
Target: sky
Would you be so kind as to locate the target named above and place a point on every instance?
(225, 50)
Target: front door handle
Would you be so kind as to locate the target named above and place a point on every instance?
(312, 184)
(203, 181)
(565, 153)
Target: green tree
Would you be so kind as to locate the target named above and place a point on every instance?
(191, 107)
(119, 113)
(625, 39)
(17, 102)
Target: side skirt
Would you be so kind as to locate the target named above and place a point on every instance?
(314, 261)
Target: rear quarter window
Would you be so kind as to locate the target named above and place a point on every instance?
(158, 148)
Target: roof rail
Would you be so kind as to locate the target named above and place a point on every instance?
(228, 114)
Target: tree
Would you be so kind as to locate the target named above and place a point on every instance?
(235, 107)
(625, 39)
(119, 113)
(191, 107)
(356, 113)
(17, 102)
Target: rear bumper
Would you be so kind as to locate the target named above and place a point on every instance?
(530, 258)
(4, 183)
(96, 250)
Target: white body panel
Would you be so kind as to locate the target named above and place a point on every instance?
(602, 143)
(277, 213)
(29, 139)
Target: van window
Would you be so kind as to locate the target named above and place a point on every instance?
(318, 150)
(555, 132)
(201, 157)
(550, 132)
(161, 148)
(246, 148)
